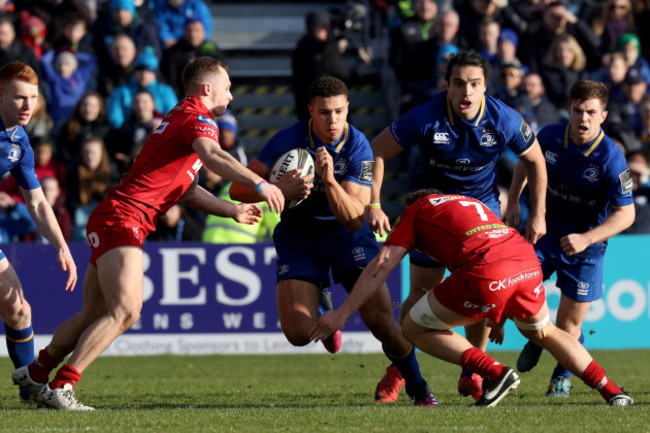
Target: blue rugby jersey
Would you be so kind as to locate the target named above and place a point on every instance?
(17, 156)
(458, 156)
(583, 181)
(353, 161)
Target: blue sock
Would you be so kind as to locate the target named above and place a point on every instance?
(559, 369)
(20, 345)
(410, 371)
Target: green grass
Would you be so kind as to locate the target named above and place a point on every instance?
(305, 393)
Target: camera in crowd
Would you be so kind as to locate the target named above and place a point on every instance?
(351, 23)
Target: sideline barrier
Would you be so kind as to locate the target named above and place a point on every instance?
(220, 299)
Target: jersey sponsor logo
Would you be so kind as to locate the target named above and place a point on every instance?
(14, 154)
(358, 253)
(494, 234)
(488, 139)
(93, 240)
(538, 290)
(366, 171)
(463, 161)
(626, 182)
(440, 200)
(583, 288)
(551, 157)
(515, 279)
(341, 167)
(525, 130)
(136, 232)
(485, 227)
(481, 308)
(195, 167)
(591, 174)
(161, 128)
(283, 269)
(441, 138)
(204, 119)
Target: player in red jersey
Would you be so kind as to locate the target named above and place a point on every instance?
(164, 173)
(495, 275)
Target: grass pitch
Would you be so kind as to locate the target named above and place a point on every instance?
(319, 393)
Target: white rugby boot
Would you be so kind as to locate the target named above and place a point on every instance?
(61, 398)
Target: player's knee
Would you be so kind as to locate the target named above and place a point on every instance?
(127, 315)
(297, 338)
(17, 315)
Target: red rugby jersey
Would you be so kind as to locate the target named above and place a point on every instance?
(166, 166)
(456, 230)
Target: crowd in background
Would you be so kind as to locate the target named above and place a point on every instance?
(109, 70)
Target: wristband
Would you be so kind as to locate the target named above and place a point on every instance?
(259, 187)
(375, 205)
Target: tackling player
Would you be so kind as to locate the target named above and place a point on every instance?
(328, 230)
(589, 200)
(460, 135)
(495, 275)
(18, 96)
(164, 173)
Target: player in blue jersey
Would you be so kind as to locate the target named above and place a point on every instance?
(460, 135)
(589, 200)
(328, 230)
(18, 96)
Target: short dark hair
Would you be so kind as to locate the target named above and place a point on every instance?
(197, 70)
(588, 89)
(414, 196)
(468, 58)
(327, 87)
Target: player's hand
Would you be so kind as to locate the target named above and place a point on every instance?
(324, 164)
(329, 323)
(574, 243)
(248, 213)
(295, 187)
(535, 228)
(273, 196)
(67, 264)
(497, 331)
(511, 215)
(378, 220)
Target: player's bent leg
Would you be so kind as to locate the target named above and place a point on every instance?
(297, 302)
(423, 279)
(568, 351)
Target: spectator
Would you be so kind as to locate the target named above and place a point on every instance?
(623, 112)
(509, 88)
(54, 196)
(563, 66)
(75, 34)
(41, 124)
(316, 55)
(14, 219)
(32, 32)
(44, 166)
(229, 137)
(543, 109)
(476, 11)
(120, 68)
(172, 16)
(142, 78)
(67, 75)
(88, 120)
(12, 49)
(488, 34)
(181, 53)
(88, 182)
(642, 126)
(52, 12)
(413, 53)
(122, 18)
(638, 166)
(124, 143)
(617, 19)
(630, 46)
(507, 45)
(558, 20)
(446, 28)
(177, 225)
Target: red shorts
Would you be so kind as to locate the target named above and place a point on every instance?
(110, 227)
(510, 288)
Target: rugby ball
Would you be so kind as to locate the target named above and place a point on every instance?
(292, 159)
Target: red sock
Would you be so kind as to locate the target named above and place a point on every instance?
(66, 374)
(594, 377)
(481, 363)
(40, 369)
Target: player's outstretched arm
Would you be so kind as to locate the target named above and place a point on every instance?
(535, 165)
(384, 147)
(200, 199)
(225, 165)
(372, 277)
(45, 220)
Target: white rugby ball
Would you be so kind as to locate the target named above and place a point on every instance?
(292, 159)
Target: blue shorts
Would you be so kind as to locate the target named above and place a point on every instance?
(312, 261)
(418, 259)
(579, 278)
